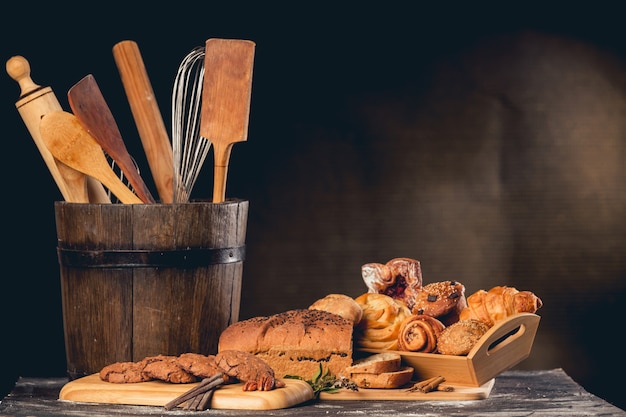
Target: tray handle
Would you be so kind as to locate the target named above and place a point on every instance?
(509, 338)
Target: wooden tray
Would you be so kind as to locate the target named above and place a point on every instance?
(458, 393)
(91, 389)
(505, 345)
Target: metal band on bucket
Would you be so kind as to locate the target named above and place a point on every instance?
(181, 258)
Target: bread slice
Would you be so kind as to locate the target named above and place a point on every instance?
(376, 363)
(388, 380)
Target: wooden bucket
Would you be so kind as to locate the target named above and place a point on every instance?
(140, 280)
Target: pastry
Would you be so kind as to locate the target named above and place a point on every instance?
(443, 300)
(124, 372)
(499, 303)
(380, 325)
(294, 342)
(255, 373)
(399, 278)
(419, 333)
(459, 338)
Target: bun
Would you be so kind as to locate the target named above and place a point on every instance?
(380, 325)
(389, 380)
(419, 333)
(499, 303)
(460, 337)
(295, 342)
(399, 278)
(443, 300)
(376, 364)
(340, 304)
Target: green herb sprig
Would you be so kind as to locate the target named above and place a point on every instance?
(326, 382)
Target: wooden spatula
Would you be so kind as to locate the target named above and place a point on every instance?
(71, 144)
(226, 101)
(90, 107)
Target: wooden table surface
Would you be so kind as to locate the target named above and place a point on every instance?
(516, 393)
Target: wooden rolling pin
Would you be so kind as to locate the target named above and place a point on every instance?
(152, 132)
(34, 102)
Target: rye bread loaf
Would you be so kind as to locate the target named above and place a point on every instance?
(294, 342)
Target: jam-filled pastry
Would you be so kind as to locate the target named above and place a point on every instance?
(443, 300)
(419, 333)
(399, 278)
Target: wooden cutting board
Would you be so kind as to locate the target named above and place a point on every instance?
(401, 394)
(91, 389)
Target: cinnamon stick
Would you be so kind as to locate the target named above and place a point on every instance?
(428, 385)
(205, 385)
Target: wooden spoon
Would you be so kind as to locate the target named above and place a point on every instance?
(226, 101)
(93, 113)
(71, 144)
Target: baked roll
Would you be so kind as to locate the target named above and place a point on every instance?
(419, 333)
(340, 304)
(399, 278)
(459, 338)
(380, 325)
(443, 300)
(499, 303)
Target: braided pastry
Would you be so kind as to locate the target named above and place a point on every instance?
(399, 278)
(380, 325)
(499, 303)
(419, 333)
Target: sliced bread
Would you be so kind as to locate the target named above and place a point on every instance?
(387, 380)
(376, 363)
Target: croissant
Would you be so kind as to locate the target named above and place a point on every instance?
(380, 324)
(499, 303)
(399, 278)
(419, 333)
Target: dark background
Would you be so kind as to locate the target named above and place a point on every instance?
(487, 142)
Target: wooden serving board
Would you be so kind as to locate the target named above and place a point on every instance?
(91, 389)
(401, 394)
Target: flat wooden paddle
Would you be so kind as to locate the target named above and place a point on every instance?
(71, 144)
(93, 113)
(226, 102)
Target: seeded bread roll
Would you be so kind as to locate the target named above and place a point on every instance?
(294, 342)
(340, 304)
(459, 338)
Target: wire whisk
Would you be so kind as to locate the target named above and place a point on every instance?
(189, 148)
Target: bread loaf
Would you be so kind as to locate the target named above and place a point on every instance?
(376, 364)
(294, 342)
(387, 380)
